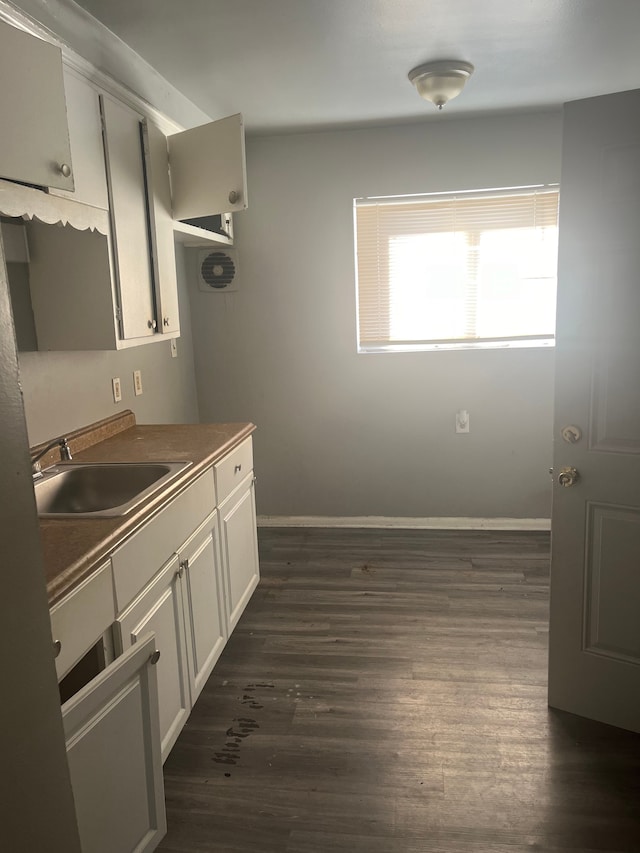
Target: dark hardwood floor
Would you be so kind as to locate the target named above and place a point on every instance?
(385, 692)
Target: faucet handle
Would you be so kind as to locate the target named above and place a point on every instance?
(65, 451)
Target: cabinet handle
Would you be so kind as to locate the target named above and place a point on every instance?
(152, 324)
(57, 648)
(234, 197)
(65, 170)
(237, 469)
(155, 657)
(182, 566)
(165, 321)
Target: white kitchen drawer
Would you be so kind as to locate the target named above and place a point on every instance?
(82, 617)
(136, 561)
(232, 470)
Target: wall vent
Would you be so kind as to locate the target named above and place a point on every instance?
(218, 270)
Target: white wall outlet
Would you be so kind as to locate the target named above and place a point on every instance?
(174, 348)
(117, 389)
(462, 421)
(137, 382)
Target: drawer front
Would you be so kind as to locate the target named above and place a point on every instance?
(82, 617)
(136, 561)
(232, 470)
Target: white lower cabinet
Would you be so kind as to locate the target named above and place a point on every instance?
(113, 749)
(184, 608)
(203, 600)
(178, 585)
(159, 609)
(239, 548)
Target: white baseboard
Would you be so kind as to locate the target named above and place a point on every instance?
(380, 521)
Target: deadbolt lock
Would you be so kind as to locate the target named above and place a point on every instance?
(571, 434)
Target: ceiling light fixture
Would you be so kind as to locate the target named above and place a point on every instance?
(441, 81)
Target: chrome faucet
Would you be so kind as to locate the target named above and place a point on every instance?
(65, 455)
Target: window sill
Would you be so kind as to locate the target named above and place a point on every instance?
(458, 345)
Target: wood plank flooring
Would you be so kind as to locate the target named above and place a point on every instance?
(385, 692)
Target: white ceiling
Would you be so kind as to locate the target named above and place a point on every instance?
(295, 64)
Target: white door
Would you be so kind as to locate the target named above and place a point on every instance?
(128, 205)
(240, 549)
(205, 618)
(159, 609)
(594, 662)
(208, 169)
(113, 749)
(36, 148)
(87, 149)
(163, 253)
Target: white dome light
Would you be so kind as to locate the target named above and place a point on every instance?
(441, 81)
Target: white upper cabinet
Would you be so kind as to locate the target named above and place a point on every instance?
(161, 231)
(208, 170)
(32, 103)
(126, 181)
(85, 133)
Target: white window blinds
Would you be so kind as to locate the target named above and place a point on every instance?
(455, 270)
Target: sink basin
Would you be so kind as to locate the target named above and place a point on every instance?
(85, 489)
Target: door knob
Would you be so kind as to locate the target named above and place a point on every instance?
(568, 476)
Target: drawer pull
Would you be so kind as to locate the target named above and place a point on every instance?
(57, 648)
(237, 469)
(155, 657)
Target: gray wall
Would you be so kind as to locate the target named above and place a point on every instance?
(66, 390)
(36, 802)
(343, 434)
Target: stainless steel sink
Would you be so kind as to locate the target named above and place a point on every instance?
(85, 489)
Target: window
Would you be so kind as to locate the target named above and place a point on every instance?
(471, 269)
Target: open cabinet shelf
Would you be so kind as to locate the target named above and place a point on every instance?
(191, 235)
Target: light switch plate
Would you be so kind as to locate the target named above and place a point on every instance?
(137, 382)
(117, 389)
(174, 348)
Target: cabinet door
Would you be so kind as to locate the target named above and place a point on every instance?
(85, 134)
(204, 603)
(159, 609)
(161, 231)
(208, 170)
(240, 549)
(34, 144)
(113, 749)
(81, 617)
(128, 205)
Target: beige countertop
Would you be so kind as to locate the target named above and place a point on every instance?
(73, 548)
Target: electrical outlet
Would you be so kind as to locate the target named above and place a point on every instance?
(174, 348)
(117, 389)
(462, 421)
(137, 382)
